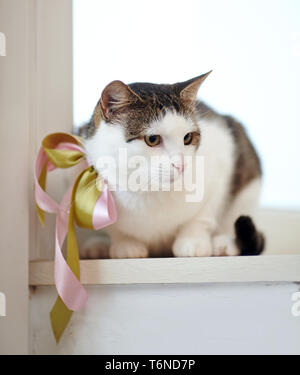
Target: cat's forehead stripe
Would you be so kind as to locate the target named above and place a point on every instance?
(171, 122)
(158, 100)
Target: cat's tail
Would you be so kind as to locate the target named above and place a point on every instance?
(248, 239)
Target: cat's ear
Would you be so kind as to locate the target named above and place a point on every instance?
(189, 89)
(116, 98)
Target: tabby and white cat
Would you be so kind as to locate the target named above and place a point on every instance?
(167, 120)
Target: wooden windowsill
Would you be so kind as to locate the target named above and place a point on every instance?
(272, 268)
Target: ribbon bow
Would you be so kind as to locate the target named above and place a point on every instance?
(86, 203)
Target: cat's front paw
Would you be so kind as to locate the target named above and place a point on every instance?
(94, 248)
(200, 246)
(223, 245)
(128, 248)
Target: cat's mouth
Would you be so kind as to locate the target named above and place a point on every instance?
(175, 176)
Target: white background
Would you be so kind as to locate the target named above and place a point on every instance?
(252, 46)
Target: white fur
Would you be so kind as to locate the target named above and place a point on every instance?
(155, 222)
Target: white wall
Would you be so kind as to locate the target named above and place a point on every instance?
(253, 46)
(173, 319)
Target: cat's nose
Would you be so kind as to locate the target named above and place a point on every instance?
(177, 161)
(179, 166)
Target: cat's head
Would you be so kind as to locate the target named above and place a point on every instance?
(149, 121)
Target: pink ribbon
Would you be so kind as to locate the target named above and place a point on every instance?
(68, 286)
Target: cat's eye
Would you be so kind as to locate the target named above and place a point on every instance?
(188, 138)
(152, 140)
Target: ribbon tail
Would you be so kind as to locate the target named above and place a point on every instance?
(60, 316)
(72, 295)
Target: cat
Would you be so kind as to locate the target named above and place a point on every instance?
(147, 120)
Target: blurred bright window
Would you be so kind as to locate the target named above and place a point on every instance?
(253, 47)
